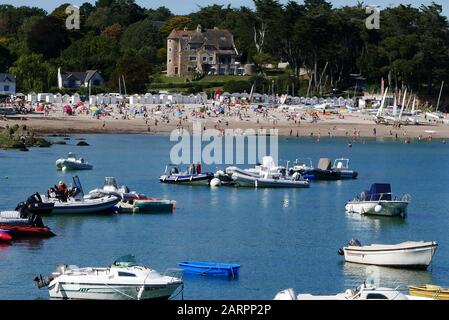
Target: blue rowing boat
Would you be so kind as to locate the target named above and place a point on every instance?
(211, 268)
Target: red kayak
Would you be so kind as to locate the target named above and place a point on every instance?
(5, 236)
(28, 231)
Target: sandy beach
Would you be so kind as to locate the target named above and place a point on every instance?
(344, 124)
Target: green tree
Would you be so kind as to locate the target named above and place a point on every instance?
(135, 69)
(39, 41)
(33, 73)
(176, 23)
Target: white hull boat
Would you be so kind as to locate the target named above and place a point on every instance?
(76, 203)
(243, 180)
(110, 187)
(379, 208)
(124, 280)
(410, 254)
(72, 163)
(77, 206)
(378, 201)
(363, 292)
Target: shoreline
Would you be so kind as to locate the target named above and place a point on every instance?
(351, 126)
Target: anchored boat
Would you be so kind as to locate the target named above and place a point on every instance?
(175, 176)
(74, 202)
(363, 292)
(379, 201)
(269, 180)
(110, 187)
(123, 280)
(325, 171)
(429, 291)
(72, 163)
(409, 254)
(211, 268)
(19, 224)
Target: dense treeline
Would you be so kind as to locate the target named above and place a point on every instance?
(119, 37)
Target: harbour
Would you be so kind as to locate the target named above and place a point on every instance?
(282, 238)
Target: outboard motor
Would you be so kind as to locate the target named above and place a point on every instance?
(354, 243)
(42, 282)
(36, 221)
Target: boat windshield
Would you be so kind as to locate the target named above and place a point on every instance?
(125, 261)
(110, 181)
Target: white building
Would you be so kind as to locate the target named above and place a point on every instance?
(7, 84)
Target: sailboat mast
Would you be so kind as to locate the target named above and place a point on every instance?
(439, 96)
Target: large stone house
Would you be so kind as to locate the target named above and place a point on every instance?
(76, 79)
(7, 84)
(209, 51)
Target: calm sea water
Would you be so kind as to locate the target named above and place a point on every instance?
(282, 238)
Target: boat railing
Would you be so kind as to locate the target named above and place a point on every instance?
(174, 273)
(386, 196)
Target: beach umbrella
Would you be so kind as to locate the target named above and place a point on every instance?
(68, 109)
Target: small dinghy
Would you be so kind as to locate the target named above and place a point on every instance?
(154, 205)
(5, 236)
(72, 163)
(24, 224)
(409, 254)
(123, 280)
(429, 291)
(269, 180)
(363, 292)
(211, 268)
(379, 201)
(110, 187)
(190, 177)
(146, 205)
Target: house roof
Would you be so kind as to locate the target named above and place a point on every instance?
(7, 77)
(218, 38)
(78, 76)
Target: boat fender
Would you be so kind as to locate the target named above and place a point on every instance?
(341, 252)
(176, 178)
(191, 177)
(378, 208)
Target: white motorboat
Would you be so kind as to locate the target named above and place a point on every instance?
(75, 202)
(409, 254)
(123, 280)
(363, 292)
(72, 163)
(379, 201)
(110, 187)
(269, 181)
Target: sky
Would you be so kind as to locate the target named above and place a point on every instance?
(187, 6)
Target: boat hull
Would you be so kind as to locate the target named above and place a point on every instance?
(145, 205)
(28, 231)
(319, 174)
(202, 179)
(417, 257)
(211, 269)
(72, 165)
(88, 206)
(100, 291)
(379, 208)
(249, 181)
(429, 291)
